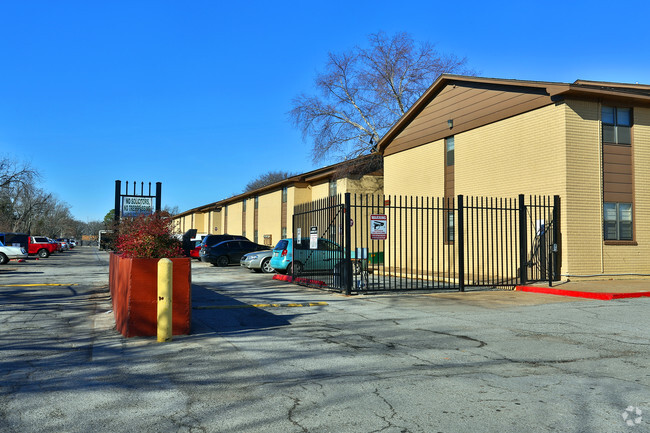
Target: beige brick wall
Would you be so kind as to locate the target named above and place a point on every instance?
(269, 217)
(187, 222)
(581, 217)
(301, 194)
(321, 190)
(551, 150)
(419, 171)
(523, 154)
(214, 221)
(501, 159)
(373, 185)
(296, 195)
(234, 218)
(199, 221)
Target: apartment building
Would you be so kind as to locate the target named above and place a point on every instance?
(586, 141)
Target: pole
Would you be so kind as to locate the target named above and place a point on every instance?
(523, 242)
(347, 264)
(461, 243)
(158, 196)
(118, 192)
(165, 274)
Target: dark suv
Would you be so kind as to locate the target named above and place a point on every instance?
(211, 240)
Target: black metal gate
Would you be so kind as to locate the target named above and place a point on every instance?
(364, 243)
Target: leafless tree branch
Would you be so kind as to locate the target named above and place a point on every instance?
(363, 93)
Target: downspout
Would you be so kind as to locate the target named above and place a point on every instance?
(602, 192)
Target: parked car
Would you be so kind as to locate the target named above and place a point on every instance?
(57, 245)
(11, 253)
(258, 261)
(40, 246)
(226, 252)
(210, 240)
(326, 256)
(194, 252)
(65, 243)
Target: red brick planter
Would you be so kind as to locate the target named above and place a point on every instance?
(134, 293)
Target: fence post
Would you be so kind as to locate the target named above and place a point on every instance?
(118, 192)
(523, 247)
(158, 195)
(347, 264)
(461, 244)
(555, 268)
(293, 241)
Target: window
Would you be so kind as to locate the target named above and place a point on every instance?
(284, 233)
(617, 125)
(226, 210)
(255, 237)
(618, 221)
(257, 202)
(449, 155)
(284, 194)
(332, 188)
(244, 205)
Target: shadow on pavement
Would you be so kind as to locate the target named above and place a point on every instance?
(215, 312)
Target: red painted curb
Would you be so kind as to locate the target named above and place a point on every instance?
(305, 281)
(577, 294)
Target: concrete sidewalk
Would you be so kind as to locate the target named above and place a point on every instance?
(593, 289)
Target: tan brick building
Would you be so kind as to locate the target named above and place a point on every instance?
(265, 215)
(588, 142)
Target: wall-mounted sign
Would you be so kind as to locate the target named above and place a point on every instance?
(378, 227)
(136, 206)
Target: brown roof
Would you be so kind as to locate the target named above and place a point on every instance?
(471, 102)
(311, 176)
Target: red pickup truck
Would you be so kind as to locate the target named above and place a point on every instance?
(41, 246)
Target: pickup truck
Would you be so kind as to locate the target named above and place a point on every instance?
(41, 246)
(11, 253)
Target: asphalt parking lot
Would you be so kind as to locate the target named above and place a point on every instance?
(485, 361)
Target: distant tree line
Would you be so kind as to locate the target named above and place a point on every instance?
(26, 208)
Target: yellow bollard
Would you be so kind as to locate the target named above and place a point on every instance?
(165, 274)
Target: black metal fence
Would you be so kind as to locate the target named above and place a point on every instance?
(364, 243)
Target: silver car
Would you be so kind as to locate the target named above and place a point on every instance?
(258, 261)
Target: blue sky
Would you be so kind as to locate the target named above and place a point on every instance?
(195, 94)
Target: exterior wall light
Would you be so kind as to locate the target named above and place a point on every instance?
(450, 123)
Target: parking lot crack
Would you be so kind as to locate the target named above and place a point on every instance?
(462, 337)
(292, 413)
(390, 417)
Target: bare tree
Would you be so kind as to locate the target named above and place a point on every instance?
(171, 210)
(13, 172)
(268, 178)
(365, 91)
(25, 208)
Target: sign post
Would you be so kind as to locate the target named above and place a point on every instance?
(133, 205)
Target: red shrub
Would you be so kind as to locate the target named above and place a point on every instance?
(148, 236)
